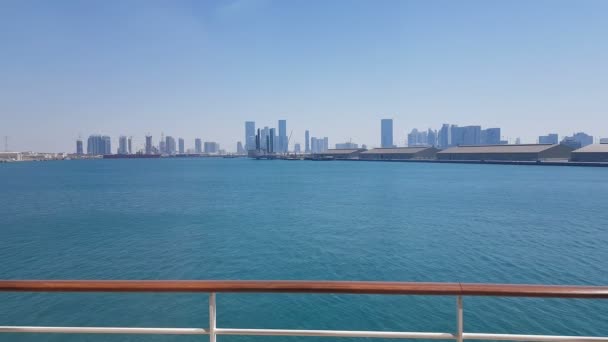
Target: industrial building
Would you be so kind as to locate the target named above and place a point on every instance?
(591, 153)
(350, 153)
(399, 153)
(523, 152)
(11, 156)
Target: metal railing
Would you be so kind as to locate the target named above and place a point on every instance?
(346, 287)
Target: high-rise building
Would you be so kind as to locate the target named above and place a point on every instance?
(107, 144)
(272, 146)
(258, 141)
(239, 148)
(582, 138)
(198, 146)
(472, 135)
(551, 138)
(212, 147)
(99, 145)
(314, 145)
(250, 135)
(297, 148)
(431, 137)
(307, 142)
(79, 148)
(148, 144)
(517, 141)
(604, 141)
(265, 138)
(417, 138)
(444, 139)
(347, 146)
(490, 136)
(122, 145)
(457, 135)
(319, 145)
(181, 145)
(386, 133)
(130, 145)
(283, 141)
(170, 147)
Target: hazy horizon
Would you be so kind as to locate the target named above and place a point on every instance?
(194, 69)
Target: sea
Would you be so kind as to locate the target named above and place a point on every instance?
(214, 218)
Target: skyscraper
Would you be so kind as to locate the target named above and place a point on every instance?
(211, 147)
(283, 142)
(444, 140)
(148, 144)
(122, 145)
(472, 135)
(239, 148)
(347, 146)
(98, 145)
(386, 132)
(130, 145)
(198, 146)
(296, 148)
(181, 146)
(170, 147)
(79, 149)
(582, 138)
(319, 145)
(431, 137)
(307, 142)
(265, 138)
(551, 138)
(314, 145)
(250, 135)
(457, 135)
(272, 146)
(417, 138)
(490, 136)
(258, 141)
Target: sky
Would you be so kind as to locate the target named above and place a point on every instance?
(202, 68)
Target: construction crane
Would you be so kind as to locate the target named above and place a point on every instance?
(288, 140)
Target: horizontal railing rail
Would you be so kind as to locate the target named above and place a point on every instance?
(286, 286)
(212, 287)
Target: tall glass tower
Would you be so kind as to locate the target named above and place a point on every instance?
(386, 128)
(283, 142)
(249, 135)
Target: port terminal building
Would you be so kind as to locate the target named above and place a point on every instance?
(350, 153)
(523, 152)
(591, 153)
(400, 153)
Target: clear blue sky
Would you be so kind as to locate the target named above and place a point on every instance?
(201, 68)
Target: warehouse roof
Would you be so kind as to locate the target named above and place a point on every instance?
(340, 151)
(523, 148)
(395, 150)
(596, 148)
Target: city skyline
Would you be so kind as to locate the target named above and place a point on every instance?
(201, 69)
(267, 139)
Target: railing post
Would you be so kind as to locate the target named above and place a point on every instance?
(459, 318)
(212, 317)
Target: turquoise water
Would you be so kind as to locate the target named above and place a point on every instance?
(246, 219)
